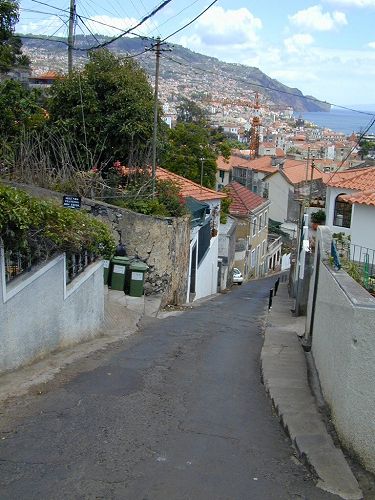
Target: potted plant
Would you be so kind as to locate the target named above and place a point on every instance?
(318, 218)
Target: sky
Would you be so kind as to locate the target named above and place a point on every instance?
(325, 49)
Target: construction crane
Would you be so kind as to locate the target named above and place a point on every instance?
(255, 129)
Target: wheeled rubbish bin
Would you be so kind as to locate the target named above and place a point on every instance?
(137, 270)
(119, 266)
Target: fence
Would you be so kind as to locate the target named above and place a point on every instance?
(359, 262)
(18, 263)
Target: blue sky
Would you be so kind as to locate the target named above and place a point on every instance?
(326, 49)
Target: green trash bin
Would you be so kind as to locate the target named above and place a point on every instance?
(137, 271)
(119, 265)
(106, 270)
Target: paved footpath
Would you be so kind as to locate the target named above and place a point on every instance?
(177, 411)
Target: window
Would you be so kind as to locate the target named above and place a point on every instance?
(221, 175)
(343, 213)
(260, 221)
(265, 218)
(264, 247)
(254, 226)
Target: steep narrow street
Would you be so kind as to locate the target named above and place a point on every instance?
(176, 412)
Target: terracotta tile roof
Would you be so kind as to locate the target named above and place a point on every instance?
(49, 75)
(295, 171)
(188, 187)
(280, 153)
(244, 201)
(262, 164)
(362, 198)
(359, 179)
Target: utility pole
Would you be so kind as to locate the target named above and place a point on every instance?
(72, 16)
(311, 179)
(155, 130)
(158, 50)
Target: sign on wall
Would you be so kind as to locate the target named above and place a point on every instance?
(70, 201)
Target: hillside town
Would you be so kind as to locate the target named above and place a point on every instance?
(185, 274)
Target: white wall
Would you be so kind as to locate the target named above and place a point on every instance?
(343, 346)
(206, 283)
(363, 226)
(39, 313)
(278, 193)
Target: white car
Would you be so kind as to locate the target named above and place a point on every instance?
(237, 276)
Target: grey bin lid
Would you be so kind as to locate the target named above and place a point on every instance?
(138, 266)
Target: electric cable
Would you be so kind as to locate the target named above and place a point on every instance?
(190, 22)
(266, 87)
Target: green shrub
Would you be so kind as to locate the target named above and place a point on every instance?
(28, 224)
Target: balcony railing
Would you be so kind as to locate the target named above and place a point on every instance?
(359, 262)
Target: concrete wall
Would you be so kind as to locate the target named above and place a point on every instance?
(164, 242)
(343, 346)
(39, 313)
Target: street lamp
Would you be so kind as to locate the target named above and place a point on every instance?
(202, 161)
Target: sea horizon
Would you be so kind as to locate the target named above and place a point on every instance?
(346, 121)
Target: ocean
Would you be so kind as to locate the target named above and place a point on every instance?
(340, 120)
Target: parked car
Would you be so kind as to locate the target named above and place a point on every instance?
(237, 276)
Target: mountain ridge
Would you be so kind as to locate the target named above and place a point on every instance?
(214, 72)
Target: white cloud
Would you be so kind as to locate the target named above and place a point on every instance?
(114, 24)
(355, 3)
(102, 25)
(313, 18)
(43, 27)
(224, 28)
(372, 45)
(298, 42)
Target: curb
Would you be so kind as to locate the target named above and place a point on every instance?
(284, 375)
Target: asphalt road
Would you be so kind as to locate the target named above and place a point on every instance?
(176, 412)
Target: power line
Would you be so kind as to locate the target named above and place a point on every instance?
(126, 32)
(190, 22)
(372, 122)
(241, 80)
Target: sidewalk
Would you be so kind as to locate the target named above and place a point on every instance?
(284, 372)
(122, 317)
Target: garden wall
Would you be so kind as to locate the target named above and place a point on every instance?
(343, 346)
(39, 313)
(163, 242)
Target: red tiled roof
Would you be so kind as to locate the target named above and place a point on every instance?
(280, 153)
(262, 164)
(49, 75)
(362, 198)
(244, 201)
(295, 172)
(360, 179)
(188, 187)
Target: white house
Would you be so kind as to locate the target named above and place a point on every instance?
(350, 205)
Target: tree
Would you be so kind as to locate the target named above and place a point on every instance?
(188, 151)
(189, 111)
(20, 109)
(107, 108)
(10, 45)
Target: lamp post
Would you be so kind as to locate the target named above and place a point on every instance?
(202, 161)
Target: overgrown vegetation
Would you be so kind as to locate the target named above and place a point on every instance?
(30, 225)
